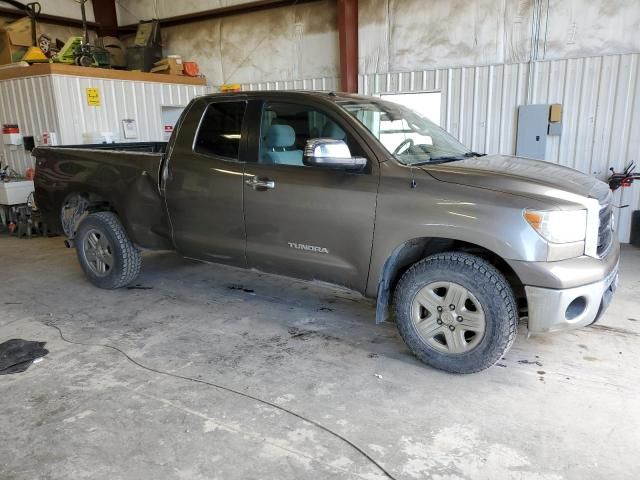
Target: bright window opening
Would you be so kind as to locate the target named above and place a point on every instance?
(427, 104)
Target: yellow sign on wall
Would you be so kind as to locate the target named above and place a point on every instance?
(93, 97)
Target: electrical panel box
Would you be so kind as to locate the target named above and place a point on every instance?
(535, 124)
(533, 127)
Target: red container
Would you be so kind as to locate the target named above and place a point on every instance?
(10, 128)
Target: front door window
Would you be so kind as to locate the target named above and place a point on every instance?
(286, 128)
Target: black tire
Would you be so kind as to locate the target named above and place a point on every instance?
(125, 257)
(490, 289)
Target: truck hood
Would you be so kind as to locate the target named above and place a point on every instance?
(521, 176)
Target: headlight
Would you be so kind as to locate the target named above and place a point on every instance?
(557, 226)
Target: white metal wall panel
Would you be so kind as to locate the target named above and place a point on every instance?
(57, 103)
(321, 83)
(601, 109)
(600, 98)
(120, 99)
(28, 102)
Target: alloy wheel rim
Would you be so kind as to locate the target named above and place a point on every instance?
(98, 252)
(448, 317)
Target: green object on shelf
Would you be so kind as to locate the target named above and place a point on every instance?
(101, 57)
(76, 53)
(67, 53)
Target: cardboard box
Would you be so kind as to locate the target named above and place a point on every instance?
(171, 65)
(15, 40)
(555, 113)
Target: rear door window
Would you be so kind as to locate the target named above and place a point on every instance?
(220, 130)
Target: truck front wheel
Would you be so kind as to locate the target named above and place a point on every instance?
(456, 312)
(106, 254)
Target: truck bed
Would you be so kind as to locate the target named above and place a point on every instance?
(126, 176)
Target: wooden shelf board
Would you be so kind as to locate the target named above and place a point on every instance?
(38, 69)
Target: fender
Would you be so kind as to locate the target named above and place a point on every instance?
(404, 255)
(412, 251)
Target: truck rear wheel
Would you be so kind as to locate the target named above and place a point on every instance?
(456, 312)
(106, 254)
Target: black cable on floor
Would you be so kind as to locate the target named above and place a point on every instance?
(230, 390)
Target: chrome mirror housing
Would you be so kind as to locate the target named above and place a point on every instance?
(331, 153)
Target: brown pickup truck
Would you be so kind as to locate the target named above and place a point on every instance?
(357, 192)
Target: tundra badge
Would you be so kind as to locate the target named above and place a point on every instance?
(308, 248)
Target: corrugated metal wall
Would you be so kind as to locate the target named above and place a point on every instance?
(600, 96)
(30, 103)
(601, 109)
(120, 99)
(57, 103)
(320, 83)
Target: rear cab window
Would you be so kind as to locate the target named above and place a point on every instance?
(220, 130)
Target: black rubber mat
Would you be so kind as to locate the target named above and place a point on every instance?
(16, 355)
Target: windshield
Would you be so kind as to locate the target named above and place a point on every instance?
(407, 135)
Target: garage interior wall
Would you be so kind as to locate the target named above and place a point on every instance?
(485, 57)
(281, 44)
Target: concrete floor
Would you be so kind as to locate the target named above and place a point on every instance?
(560, 406)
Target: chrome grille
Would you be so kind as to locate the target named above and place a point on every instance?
(605, 233)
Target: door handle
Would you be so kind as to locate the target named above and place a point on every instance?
(260, 184)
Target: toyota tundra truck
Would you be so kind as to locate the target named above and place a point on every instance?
(456, 247)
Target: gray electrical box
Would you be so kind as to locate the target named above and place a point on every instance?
(533, 127)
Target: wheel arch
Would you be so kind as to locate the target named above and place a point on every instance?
(414, 250)
(78, 205)
(142, 216)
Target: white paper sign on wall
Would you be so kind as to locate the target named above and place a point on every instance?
(130, 128)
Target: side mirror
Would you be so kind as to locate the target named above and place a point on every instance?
(331, 153)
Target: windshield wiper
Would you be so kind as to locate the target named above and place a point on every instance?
(452, 158)
(474, 154)
(449, 158)
(436, 160)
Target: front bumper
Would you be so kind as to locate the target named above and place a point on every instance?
(559, 309)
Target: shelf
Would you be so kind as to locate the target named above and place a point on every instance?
(39, 69)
